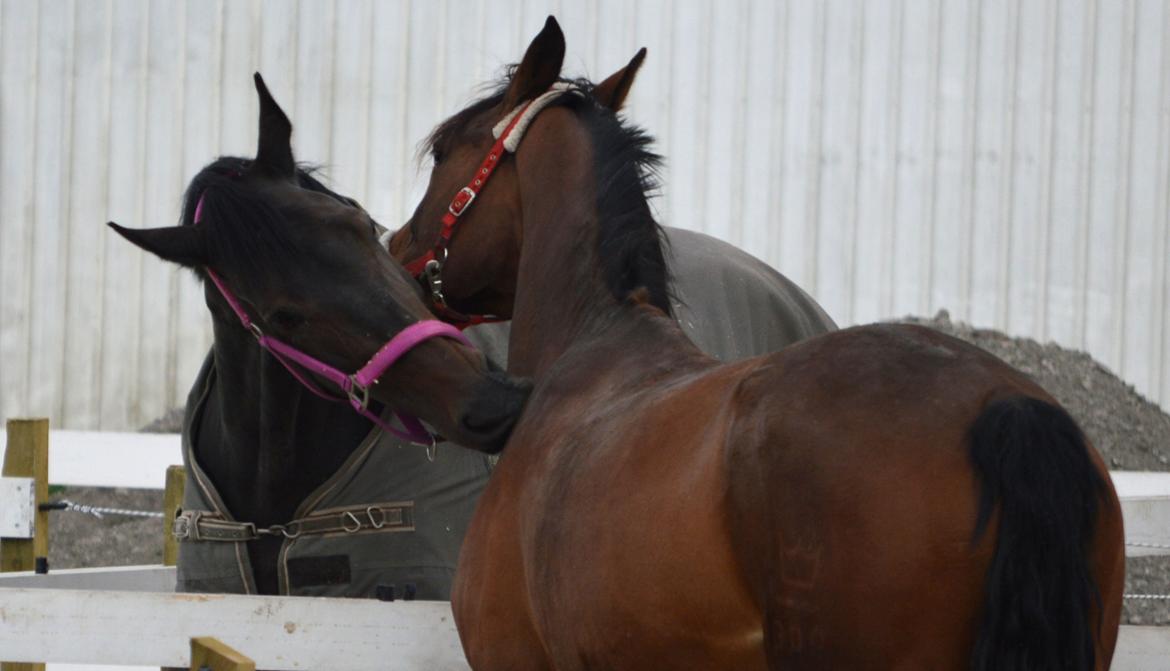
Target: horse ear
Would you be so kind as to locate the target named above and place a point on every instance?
(613, 91)
(540, 66)
(274, 152)
(178, 244)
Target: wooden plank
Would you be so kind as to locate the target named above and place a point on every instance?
(210, 653)
(28, 458)
(148, 629)
(111, 459)
(172, 500)
(149, 578)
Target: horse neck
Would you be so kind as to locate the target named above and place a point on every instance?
(562, 302)
(274, 442)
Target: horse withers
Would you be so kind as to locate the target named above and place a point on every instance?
(290, 492)
(879, 497)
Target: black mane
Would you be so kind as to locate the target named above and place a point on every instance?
(245, 230)
(630, 243)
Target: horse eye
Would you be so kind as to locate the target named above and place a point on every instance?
(286, 320)
(436, 155)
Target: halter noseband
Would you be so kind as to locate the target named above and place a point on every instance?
(355, 386)
(428, 268)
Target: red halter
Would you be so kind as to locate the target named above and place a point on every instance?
(428, 268)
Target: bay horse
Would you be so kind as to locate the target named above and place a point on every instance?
(291, 251)
(879, 497)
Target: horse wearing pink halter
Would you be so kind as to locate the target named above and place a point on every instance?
(355, 386)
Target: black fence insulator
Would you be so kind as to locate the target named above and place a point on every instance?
(53, 505)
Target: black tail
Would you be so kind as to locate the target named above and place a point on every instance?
(1033, 462)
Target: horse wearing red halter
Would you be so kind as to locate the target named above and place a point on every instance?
(879, 497)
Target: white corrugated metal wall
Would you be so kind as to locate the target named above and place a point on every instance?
(1008, 161)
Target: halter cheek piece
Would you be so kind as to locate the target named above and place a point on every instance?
(356, 386)
(428, 268)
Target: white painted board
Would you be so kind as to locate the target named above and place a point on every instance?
(110, 459)
(1145, 506)
(140, 629)
(152, 578)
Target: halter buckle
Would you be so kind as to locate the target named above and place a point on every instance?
(433, 274)
(461, 200)
(359, 396)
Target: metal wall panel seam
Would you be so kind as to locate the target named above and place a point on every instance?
(703, 124)
(1085, 137)
(368, 113)
(99, 337)
(67, 209)
(1006, 218)
(894, 148)
(857, 91)
(777, 149)
(30, 237)
(331, 52)
(969, 173)
(172, 337)
(1159, 335)
(931, 153)
(666, 204)
(1048, 153)
(739, 133)
(815, 156)
(404, 77)
(136, 388)
(3, 259)
(1124, 185)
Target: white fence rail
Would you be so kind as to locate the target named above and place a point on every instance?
(1006, 160)
(125, 615)
(108, 458)
(152, 629)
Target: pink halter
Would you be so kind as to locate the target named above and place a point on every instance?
(357, 385)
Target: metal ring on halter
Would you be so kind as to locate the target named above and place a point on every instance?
(255, 330)
(380, 521)
(349, 516)
(433, 448)
(433, 272)
(355, 388)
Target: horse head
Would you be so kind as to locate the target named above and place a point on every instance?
(480, 263)
(305, 266)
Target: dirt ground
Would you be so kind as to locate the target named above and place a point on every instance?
(1130, 432)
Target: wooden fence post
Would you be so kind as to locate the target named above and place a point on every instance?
(172, 501)
(209, 654)
(27, 456)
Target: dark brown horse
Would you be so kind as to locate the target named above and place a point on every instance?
(294, 253)
(880, 497)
